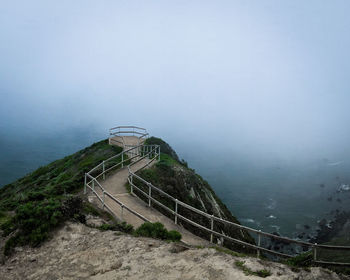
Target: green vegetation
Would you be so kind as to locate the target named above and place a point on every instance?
(34, 220)
(302, 260)
(228, 251)
(124, 227)
(164, 147)
(157, 230)
(247, 271)
(34, 205)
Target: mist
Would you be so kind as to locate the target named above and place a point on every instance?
(231, 85)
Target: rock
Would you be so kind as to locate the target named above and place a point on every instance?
(94, 221)
(177, 248)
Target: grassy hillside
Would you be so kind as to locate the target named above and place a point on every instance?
(37, 203)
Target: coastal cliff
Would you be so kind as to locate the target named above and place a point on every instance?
(50, 231)
(181, 182)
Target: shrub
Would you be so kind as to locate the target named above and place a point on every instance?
(157, 230)
(301, 260)
(124, 227)
(154, 230)
(105, 227)
(174, 235)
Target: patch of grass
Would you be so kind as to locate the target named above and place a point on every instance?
(247, 271)
(124, 227)
(90, 209)
(164, 147)
(4, 217)
(127, 187)
(157, 230)
(228, 251)
(302, 260)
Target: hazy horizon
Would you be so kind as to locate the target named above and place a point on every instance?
(262, 77)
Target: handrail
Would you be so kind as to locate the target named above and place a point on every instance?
(154, 150)
(214, 218)
(128, 126)
(90, 181)
(116, 131)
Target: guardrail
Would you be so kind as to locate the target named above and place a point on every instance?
(140, 152)
(314, 247)
(118, 161)
(120, 131)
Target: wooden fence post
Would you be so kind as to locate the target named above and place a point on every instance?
(211, 227)
(149, 194)
(176, 211)
(103, 170)
(85, 183)
(259, 243)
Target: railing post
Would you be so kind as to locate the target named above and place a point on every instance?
(122, 159)
(131, 185)
(93, 184)
(122, 206)
(176, 211)
(103, 200)
(211, 227)
(259, 243)
(315, 252)
(103, 170)
(85, 183)
(149, 194)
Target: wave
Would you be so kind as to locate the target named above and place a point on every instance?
(271, 217)
(276, 227)
(335, 163)
(248, 220)
(271, 204)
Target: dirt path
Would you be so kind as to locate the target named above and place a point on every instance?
(115, 185)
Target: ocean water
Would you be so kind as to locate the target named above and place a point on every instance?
(284, 197)
(276, 196)
(24, 151)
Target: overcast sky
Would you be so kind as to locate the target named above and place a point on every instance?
(264, 76)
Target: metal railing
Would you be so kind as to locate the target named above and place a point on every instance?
(314, 247)
(127, 157)
(153, 153)
(118, 132)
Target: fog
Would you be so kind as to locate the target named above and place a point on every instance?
(263, 83)
(260, 76)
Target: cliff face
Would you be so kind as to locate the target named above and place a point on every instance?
(181, 182)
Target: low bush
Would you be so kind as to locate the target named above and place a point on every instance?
(124, 227)
(302, 260)
(174, 235)
(157, 230)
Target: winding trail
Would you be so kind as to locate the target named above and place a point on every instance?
(115, 184)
